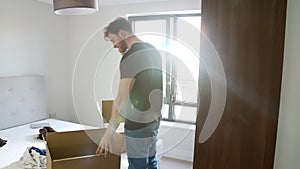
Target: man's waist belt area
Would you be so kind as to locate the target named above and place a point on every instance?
(131, 125)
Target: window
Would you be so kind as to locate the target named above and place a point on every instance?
(177, 36)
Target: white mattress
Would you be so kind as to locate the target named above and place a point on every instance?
(21, 137)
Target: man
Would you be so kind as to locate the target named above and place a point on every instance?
(139, 98)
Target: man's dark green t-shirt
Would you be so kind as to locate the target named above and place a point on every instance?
(143, 63)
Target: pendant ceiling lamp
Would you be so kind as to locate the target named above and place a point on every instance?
(75, 7)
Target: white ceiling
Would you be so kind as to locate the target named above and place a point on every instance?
(113, 2)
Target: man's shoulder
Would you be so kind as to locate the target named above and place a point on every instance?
(142, 45)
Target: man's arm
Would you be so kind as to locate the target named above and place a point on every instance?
(121, 102)
(119, 105)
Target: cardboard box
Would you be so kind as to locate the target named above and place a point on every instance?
(106, 110)
(76, 150)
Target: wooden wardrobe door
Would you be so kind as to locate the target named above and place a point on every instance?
(248, 36)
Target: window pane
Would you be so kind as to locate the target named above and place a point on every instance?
(165, 111)
(188, 31)
(187, 68)
(186, 49)
(186, 113)
(151, 27)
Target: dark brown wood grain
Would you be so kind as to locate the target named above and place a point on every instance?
(249, 37)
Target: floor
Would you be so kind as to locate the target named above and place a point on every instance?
(165, 163)
(168, 163)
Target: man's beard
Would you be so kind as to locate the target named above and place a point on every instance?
(122, 46)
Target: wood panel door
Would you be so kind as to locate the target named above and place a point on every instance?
(248, 37)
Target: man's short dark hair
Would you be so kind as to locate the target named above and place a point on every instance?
(118, 24)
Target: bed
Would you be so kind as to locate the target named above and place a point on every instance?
(23, 105)
(21, 137)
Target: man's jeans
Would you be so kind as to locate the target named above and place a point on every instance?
(141, 147)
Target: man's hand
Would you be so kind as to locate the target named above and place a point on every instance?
(105, 145)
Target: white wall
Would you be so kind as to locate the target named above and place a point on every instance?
(288, 136)
(178, 140)
(33, 41)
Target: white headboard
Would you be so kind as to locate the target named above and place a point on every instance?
(22, 100)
